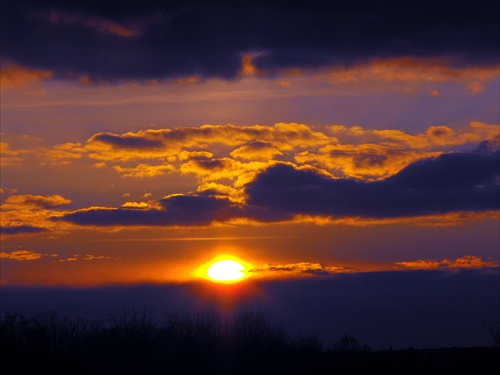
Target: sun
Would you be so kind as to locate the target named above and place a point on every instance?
(224, 269)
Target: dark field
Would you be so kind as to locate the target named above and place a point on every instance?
(206, 343)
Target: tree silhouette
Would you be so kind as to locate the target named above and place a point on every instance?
(202, 342)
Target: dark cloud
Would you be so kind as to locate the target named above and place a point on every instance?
(119, 141)
(152, 39)
(449, 183)
(174, 210)
(21, 229)
(489, 146)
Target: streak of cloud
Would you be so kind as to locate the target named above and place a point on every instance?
(468, 261)
(301, 268)
(21, 255)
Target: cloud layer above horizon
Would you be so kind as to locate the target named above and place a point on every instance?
(281, 173)
(145, 40)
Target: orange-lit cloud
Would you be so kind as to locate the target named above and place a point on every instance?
(367, 161)
(30, 214)
(214, 169)
(300, 268)
(257, 150)
(33, 201)
(9, 156)
(21, 255)
(284, 136)
(468, 261)
(63, 154)
(236, 169)
(474, 88)
(141, 205)
(17, 77)
(190, 80)
(144, 170)
(86, 257)
(214, 152)
(247, 66)
(411, 70)
(435, 137)
(236, 195)
(97, 24)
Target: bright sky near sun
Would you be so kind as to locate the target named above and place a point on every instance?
(140, 142)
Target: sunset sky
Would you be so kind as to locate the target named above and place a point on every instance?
(316, 141)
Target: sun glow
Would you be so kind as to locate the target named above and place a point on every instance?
(224, 269)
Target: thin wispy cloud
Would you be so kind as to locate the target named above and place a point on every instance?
(468, 261)
(24, 255)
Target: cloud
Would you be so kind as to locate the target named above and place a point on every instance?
(214, 152)
(127, 141)
(301, 268)
(366, 161)
(86, 257)
(97, 24)
(468, 261)
(21, 255)
(449, 183)
(256, 150)
(63, 154)
(412, 70)
(135, 205)
(489, 146)
(29, 214)
(285, 172)
(208, 151)
(144, 170)
(21, 229)
(214, 169)
(9, 156)
(34, 201)
(247, 66)
(310, 268)
(474, 88)
(174, 210)
(285, 136)
(157, 40)
(13, 76)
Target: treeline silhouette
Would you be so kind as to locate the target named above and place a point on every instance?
(204, 343)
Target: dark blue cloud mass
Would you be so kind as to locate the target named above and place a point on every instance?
(21, 229)
(449, 183)
(173, 210)
(455, 182)
(154, 40)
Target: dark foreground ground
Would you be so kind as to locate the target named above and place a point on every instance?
(208, 344)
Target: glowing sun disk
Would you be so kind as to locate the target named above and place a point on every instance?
(226, 271)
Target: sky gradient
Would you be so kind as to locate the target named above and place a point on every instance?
(323, 143)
